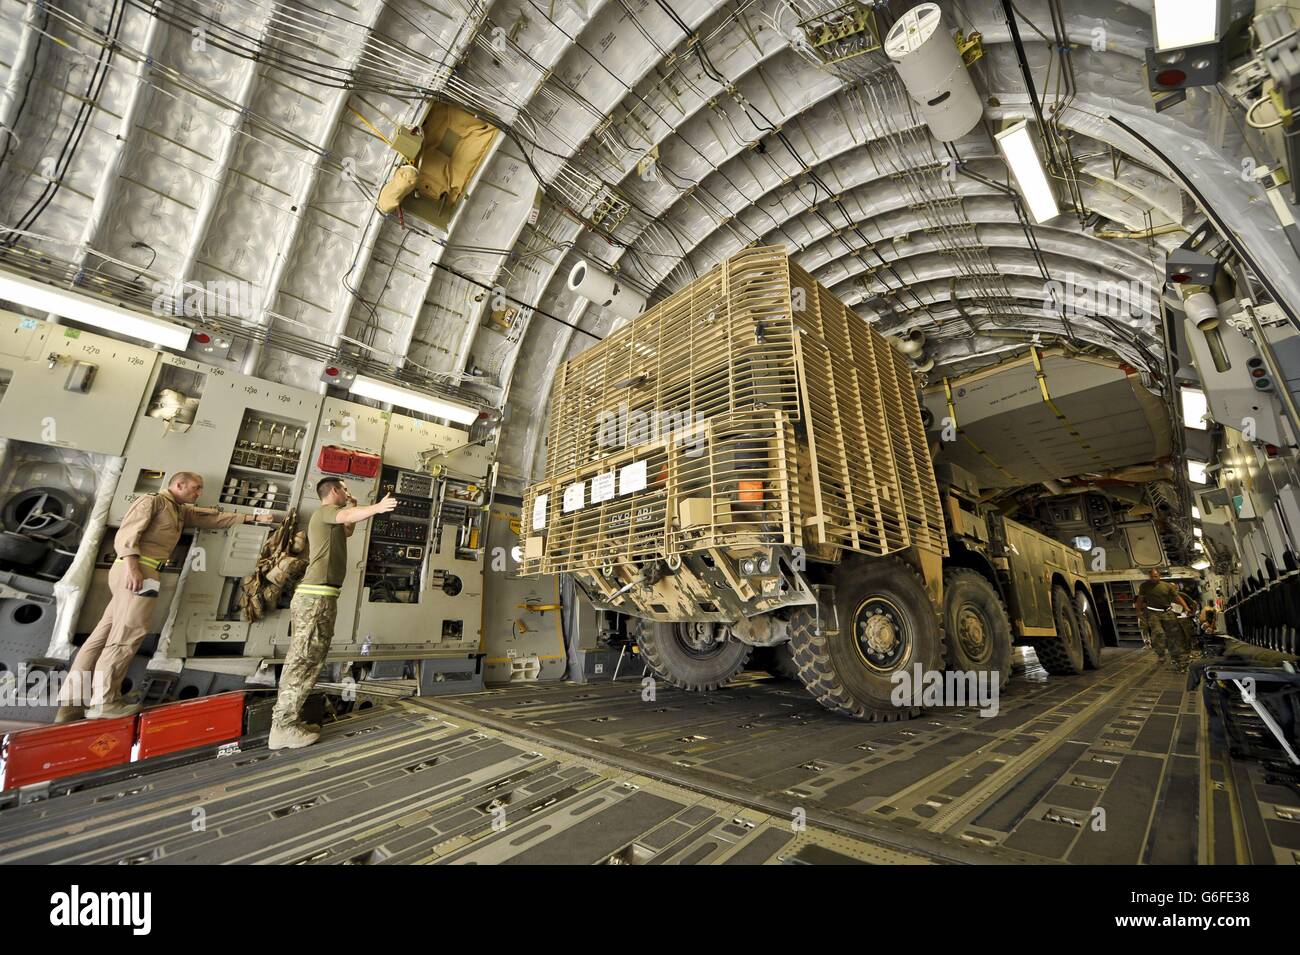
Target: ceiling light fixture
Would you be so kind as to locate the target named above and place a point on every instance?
(1179, 23)
(413, 400)
(78, 307)
(1195, 408)
(1022, 158)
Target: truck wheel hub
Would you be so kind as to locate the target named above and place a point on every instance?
(972, 633)
(881, 634)
(701, 638)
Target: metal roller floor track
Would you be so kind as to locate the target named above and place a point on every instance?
(400, 783)
(1114, 766)
(1110, 767)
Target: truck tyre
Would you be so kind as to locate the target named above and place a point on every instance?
(1062, 655)
(887, 624)
(1089, 632)
(692, 656)
(976, 627)
(780, 662)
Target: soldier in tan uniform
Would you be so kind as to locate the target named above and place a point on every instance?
(148, 535)
(315, 606)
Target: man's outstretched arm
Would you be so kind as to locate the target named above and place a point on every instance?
(353, 514)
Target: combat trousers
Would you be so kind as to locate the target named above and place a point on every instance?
(97, 671)
(1168, 638)
(313, 629)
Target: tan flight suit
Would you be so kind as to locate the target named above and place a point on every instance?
(314, 609)
(150, 531)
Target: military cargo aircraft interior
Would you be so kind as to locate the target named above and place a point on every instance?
(629, 432)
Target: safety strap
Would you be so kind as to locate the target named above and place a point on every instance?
(147, 561)
(318, 590)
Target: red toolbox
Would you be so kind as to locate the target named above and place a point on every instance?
(334, 460)
(178, 726)
(52, 752)
(365, 465)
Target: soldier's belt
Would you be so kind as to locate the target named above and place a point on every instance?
(147, 561)
(318, 590)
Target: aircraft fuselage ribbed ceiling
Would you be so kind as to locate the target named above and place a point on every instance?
(154, 145)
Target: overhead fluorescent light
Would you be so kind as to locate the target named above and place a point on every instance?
(1017, 147)
(412, 400)
(1195, 408)
(1196, 513)
(1201, 564)
(82, 308)
(1196, 471)
(1179, 23)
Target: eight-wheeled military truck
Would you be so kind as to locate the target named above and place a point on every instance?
(745, 465)
(1007, 584)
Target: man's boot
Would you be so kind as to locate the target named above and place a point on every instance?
(295, 736)
(68, 714)
(112, 711)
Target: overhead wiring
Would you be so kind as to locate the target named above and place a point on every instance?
(88, 104)
(11, 132)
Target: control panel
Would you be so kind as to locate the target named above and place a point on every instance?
(399, 539)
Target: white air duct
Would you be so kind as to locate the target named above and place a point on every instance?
(912, 344)
(930, 67)
(600, 287)
(1202, 310)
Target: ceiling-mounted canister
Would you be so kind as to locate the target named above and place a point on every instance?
(601, 288)
(925, 55)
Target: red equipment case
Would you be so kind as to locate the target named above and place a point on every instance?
(334, 460)
(365, 465)
(178, 726)
(52, 752)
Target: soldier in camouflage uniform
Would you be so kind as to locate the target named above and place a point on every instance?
(1188, 623)
(1155, 601)
(315, 607)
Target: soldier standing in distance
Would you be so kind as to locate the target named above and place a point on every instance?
(315, 606)
(1155, 601)
(148, 535)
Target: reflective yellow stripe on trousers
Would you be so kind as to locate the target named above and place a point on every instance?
(147, 561)
(317, 590)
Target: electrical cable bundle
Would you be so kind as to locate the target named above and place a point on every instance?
(89, 103)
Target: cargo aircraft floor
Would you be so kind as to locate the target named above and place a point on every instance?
(1116, 766)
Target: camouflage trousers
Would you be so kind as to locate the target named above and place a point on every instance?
(1169, 638)
(313, 629)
